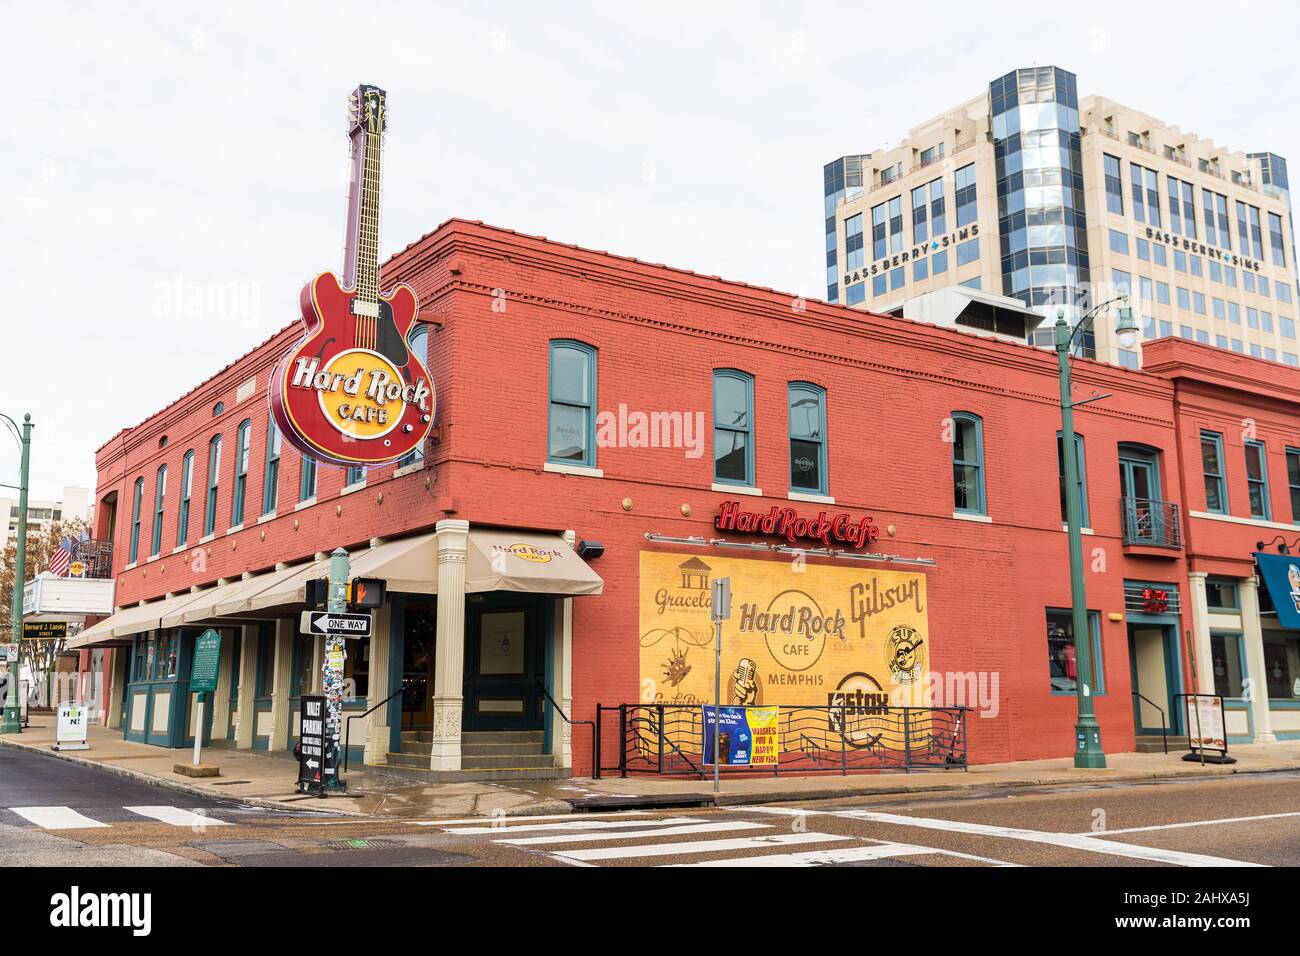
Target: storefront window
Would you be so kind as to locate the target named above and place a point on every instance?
(1061, 659)
(151, 658)
(1221, 594)
(1282, 665)
(169, 649)
(305, 648)
(357, 667)
(1225, 655)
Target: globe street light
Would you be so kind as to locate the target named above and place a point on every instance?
(1087, 751)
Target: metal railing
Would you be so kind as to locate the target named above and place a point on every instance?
(565, 717)
(1164, 721)
(668, 739)
(1148, 521)
(96, 555)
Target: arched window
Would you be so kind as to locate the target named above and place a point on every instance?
(418, 343)
(218, 409)
(159, 497)
(243, 438)
(968, 464)
(187, 485)
(807, 438)
(1082, 478)
(137, 500)
(571, 425)
(214, 473)
(271, 475)
(733, 427)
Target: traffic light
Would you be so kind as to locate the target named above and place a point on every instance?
(367, 592)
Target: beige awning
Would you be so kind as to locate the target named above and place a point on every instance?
(280, 588)
(523, 561)
(119, 628)
(409, 565)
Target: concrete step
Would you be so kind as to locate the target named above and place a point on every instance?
(413, 761)
(494, 749)
(421, 736)
(1155, 744)
(502, 737)
(424, 747)
(422, 772)
(506, 761)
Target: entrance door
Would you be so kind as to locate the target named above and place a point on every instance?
(1139, 483)
(1153, 664)
(503, 664)
(420, 637)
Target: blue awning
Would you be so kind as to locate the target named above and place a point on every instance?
(1281, 574)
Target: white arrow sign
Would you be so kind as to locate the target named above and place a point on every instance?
(323, 622)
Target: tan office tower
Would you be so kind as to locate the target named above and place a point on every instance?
(1040, 199)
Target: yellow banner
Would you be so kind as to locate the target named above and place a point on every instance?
(799, 633)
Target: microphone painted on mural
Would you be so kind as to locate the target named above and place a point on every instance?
(744, 682)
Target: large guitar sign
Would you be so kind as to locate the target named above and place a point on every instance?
(350, 391)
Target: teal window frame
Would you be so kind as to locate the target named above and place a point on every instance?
(1081, 459)
(1293, 481)
(214, 479)
(306, 478)
(1098, 662)
(977, 462)
(243, 442)
(1261, 481)
(264, 667)
(587, 402)
(159, 505)
(137, 502)
(1219, 582)
(186, 491)
(418, 342)
(271, 469)
(1239, 642)
(747, 380)
(818, 436)
(1219, 478)
(354, 476)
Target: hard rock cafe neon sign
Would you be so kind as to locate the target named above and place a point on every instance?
(351, 391)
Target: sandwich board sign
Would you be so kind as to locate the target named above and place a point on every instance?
(70, 732)
(311, 743)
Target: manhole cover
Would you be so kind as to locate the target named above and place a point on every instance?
(361, 844)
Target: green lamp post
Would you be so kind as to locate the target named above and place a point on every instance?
(9, 723)
(1087, 750)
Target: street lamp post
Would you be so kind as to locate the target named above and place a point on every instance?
(9, 723)
(1087, 751)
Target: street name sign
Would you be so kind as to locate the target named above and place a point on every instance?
(325, 622)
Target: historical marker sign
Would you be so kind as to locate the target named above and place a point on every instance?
(207, 662)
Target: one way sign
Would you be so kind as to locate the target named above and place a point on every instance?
(323, 622)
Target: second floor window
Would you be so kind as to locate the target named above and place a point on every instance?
(571, 425)
(1216, 491)
(242, 441)
(137, 502)
(1257, 480)
(187, 484)
(808, 438)
(733, 428)
(1293, 481)
(271, 479)
(307, 479)
(356, 474)
(214, 474)
(968, 464)
(159, 498)
(1081, 481)
(418, 343)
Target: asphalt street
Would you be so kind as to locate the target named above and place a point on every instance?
(54, 812)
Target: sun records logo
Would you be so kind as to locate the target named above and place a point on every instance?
(903, 653)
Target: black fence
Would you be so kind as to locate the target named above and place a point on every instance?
(668, 739)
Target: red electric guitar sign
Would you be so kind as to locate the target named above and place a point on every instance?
(351, 392)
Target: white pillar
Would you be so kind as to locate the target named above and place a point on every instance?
(220, 702)
(377, 723)
(281, 681)
(562, 670)
(246, 720)
(1201, 633)
(449, 661)
(1253, 636)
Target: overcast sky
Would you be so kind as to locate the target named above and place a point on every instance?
(170, 174)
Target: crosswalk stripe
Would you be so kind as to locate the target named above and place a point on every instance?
(698, 846)
(520, 818)
(635, 834)
(178, 817)
(56, 818)
(851, 854)
(577, 825)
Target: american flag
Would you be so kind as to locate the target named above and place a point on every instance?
(61, 558)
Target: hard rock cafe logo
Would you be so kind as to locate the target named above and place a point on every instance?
(794, 626)
(528, 552)
(903, 655)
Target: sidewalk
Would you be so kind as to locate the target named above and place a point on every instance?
(268, 780)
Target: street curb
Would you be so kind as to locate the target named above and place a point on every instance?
(162, 782)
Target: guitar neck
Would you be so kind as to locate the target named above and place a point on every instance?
(361, 255)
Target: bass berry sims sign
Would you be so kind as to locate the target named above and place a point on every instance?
(823, 529)
(351, 391)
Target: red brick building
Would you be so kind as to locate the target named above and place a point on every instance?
(545, 356)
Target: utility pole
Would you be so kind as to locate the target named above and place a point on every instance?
(332, 677)
(9, 723)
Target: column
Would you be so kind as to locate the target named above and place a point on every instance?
(562, 669)
(220, 702)
(1253, 636)
(247, 720)
(449, 662)
(281, 685)
(1201, 633)
(377, 722)
(121, 663)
